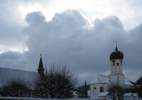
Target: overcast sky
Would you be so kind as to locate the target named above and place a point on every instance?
(78, 33)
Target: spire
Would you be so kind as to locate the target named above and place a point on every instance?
(40, 67)
(116, 49)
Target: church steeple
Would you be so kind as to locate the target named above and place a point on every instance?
(116, 49)
(116, 74)
(41, 67)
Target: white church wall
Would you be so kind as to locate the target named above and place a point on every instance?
(97, 90)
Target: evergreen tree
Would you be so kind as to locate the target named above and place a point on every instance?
(85, 90)
(82, 91)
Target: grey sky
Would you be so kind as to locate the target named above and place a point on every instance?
(69, 39)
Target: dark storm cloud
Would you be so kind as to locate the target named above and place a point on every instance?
(66, 39)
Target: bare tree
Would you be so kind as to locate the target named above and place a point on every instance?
(116, 92)
(57, 83)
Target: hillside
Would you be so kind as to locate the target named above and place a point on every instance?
(7, 75)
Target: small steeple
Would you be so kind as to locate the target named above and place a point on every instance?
(41, 67)
(116, 49)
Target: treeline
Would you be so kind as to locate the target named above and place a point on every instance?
(56, 83)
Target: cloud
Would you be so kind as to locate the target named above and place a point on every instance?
(66, 39)
(35, 18)
(12, 60)
(11, 31)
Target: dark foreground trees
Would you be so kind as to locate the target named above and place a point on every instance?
(137, 87)
(82, 91)
(56, 83)
(15, 89)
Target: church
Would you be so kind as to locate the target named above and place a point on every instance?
(116, 77)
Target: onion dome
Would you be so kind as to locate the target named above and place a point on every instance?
(116, 54)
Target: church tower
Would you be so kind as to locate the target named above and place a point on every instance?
(116, 77)
(41, 68)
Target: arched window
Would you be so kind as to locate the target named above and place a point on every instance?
(117, 64)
